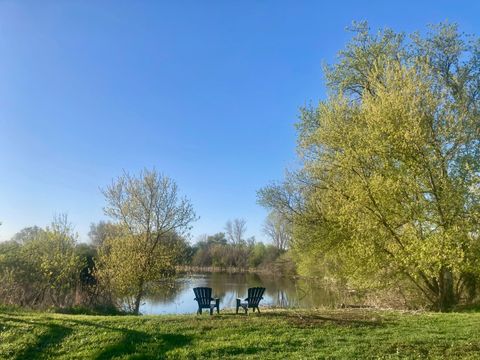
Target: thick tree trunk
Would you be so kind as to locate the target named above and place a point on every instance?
(446, 294)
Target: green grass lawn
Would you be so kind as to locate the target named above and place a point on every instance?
(274, 334)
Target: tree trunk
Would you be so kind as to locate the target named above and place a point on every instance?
(446, 293)
(138, 299)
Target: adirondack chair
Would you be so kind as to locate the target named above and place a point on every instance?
(203, 296)
(254, 296)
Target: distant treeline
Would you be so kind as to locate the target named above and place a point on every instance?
(216, 252)
(224, 250)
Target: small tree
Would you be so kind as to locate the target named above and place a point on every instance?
(277, 228)
(27, 234)
(236, 230)
(40, 266)
(99, 232)
(151, 213)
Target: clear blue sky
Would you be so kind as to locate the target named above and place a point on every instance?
(205, 91)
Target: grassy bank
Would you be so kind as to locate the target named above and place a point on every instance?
(271, 335)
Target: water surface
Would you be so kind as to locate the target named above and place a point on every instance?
(176, 297)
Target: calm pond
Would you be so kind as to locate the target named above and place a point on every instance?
(176, 297)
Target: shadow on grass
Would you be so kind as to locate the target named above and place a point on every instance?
(235, 351)
(53, 335)
(306, 320)
(131, 341)
(146, 345)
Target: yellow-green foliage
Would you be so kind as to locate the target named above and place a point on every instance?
(145, 246)
(391, 162)
(43, 270)
(53, 254)
(128, 263)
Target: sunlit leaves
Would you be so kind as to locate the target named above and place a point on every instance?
(392, 163)
(146, 245)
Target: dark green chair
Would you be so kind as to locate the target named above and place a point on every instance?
(252, 301)
(203, 296)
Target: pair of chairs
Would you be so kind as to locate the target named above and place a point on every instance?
(203, 296)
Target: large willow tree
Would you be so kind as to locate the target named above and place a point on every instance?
(389, 190)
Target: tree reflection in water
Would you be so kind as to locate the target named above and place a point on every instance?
(176, 295)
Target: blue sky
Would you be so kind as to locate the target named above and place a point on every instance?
(206, 92)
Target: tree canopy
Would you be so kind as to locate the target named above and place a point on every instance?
(389, 188)
(153, 217)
